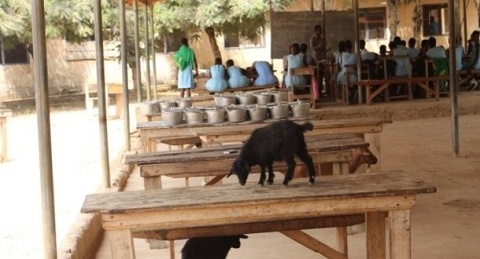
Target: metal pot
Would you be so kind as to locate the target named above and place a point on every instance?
(279, 110)
(280, 96)
(184, 103)
(172, 116)
(167, 104)
(263, 98)
(258, 113)
(215, 114)
(194, 116)
(236, 114)
(224, 100)
(300, 109)
(151, 107)
(245, 99)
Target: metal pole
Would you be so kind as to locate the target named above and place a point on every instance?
(138, 70)
(126, 115)
(154, 59)
(147, 56)
(43, 124)
(453, 78)
(465, 35)
(357, 49)
(102, 110)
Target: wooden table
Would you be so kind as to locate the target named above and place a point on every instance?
(4, 114)
(212, 161)
(228, 209)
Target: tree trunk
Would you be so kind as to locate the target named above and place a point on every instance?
(417, 20)
(392, 18)
(213, 42)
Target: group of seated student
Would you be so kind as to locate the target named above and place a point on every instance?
(469, 60)
(232, 76)
(297, 57)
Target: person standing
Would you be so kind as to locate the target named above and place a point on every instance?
(317, 43)
(433, 26)
(186, 62)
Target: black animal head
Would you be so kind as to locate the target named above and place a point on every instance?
(241, 168)
(234, 241)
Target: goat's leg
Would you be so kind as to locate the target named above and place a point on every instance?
(262, 175)
(271, 176)
(307, 159)
(290, 168)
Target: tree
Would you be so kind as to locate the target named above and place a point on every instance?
(393, 15)
(215, 17)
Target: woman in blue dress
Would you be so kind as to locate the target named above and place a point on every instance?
(295, 60)
(217, 82)
(264, 73)
(235, 77)
(186, 61)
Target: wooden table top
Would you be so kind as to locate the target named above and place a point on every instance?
(317, 125)
(320, 143)
(381, 184)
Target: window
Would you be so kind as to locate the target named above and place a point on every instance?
(17, 54)
(234, 40)
(435, 20)
(372, 23)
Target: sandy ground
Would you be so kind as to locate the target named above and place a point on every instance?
(76, 171)
(444, 225)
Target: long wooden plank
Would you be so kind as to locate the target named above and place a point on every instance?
(314, 144)
(220, 165)
(354, 185)
(253, 227)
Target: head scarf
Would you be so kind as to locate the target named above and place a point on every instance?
(184, 57)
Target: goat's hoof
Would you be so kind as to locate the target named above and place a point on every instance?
(270, 182)
(260, 184)
(312, 181)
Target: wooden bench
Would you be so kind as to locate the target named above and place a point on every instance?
(333, 149)
(303, 92)
(228, 209)
(375, 87)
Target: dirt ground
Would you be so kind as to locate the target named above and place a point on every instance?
(444, 224)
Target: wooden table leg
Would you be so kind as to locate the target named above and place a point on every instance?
(400, 241)
(121, 244)
(3, 139)
(376, 244)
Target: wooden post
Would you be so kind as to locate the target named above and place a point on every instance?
(400, 241)
(138, 70)
(125, 101)
(376, 245)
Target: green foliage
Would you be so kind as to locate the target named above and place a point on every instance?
(224, 16)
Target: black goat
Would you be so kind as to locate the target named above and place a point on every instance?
(279, 141)
(210, 247)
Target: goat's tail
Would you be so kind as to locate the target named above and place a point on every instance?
(307, 126)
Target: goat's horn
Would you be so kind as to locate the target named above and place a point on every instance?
(231, 172)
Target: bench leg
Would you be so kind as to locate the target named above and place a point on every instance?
(342, 241)
(400, 240)
(121, 244)
(376, 243)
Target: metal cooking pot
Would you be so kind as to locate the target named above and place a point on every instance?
(258, 113)
(263, 98)
(300, 109)
(172, 116)
(215, 114)
(279, 110)
(236, 114)
(224, 100)
(194, 116)
(167, 104)
(184, 103)
(245, 99)
(280, 96)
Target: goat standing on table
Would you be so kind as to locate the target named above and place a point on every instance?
(279, 141)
